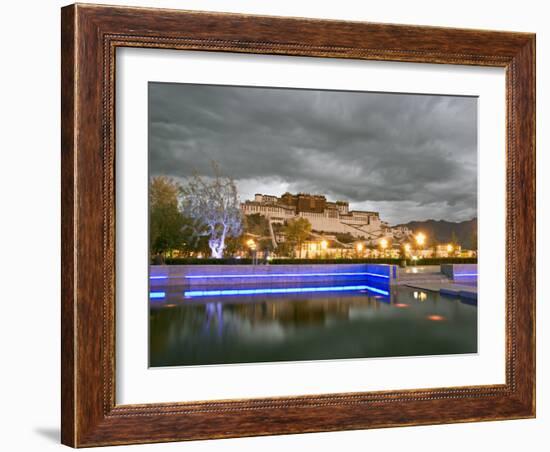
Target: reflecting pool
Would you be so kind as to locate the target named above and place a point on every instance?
(213, 326)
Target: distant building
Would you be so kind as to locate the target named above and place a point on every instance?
(324, 216)
(448, 251)
(453, 251)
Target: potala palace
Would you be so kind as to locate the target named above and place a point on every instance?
(325, 216)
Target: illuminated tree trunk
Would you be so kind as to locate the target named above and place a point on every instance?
(214, 206)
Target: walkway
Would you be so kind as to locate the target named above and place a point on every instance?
(448, 288)
(429, 277)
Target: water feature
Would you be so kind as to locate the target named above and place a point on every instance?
(357, 319)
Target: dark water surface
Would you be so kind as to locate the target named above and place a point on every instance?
(227, 329)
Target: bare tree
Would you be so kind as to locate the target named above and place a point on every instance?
(214, 207)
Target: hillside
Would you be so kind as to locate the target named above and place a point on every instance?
(440, 231)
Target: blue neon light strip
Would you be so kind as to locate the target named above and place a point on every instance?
(158, 277)
(157, 295)
(209, 293)
(274, 275)
(465, 274)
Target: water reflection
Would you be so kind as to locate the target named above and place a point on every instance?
(214, 316)
(307, 326)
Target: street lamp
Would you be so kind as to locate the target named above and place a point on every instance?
(406, 251)
(383, 245)
(252, 246)
(420, 239)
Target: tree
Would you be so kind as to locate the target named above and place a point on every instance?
(256, 224)
(473, 240)
(454, 239)
(404, 250)
(285, 249)
(193, 243)
(165, 219)
(213, 206)
(235, 245)
(345, 237)
(297, 231)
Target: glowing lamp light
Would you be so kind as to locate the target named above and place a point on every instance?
(383, 243)
(407, 247)
(324, 244)
(450, 248)
(436, 318)
(251, 244)
(420, 238)
(422, 296)
(359, 247)
(401, 305)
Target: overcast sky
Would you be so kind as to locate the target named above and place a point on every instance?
(410, 157)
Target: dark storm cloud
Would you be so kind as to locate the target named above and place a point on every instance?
(409, 156)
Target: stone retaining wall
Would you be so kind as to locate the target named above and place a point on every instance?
(233, 275)
(459, 271)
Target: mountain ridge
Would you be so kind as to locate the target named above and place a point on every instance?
(441, 231)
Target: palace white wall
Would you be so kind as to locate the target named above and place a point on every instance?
(357, 225)
(30, 226)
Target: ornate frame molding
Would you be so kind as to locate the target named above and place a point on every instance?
(90, 37)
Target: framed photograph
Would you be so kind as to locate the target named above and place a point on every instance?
(281, 225)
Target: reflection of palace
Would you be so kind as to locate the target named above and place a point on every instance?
(304, 312)
(324, 216)
(183, 327)
(292, 314)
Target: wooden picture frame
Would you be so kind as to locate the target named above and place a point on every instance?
(90, 36)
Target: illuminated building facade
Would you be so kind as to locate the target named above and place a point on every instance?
(324, 216)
